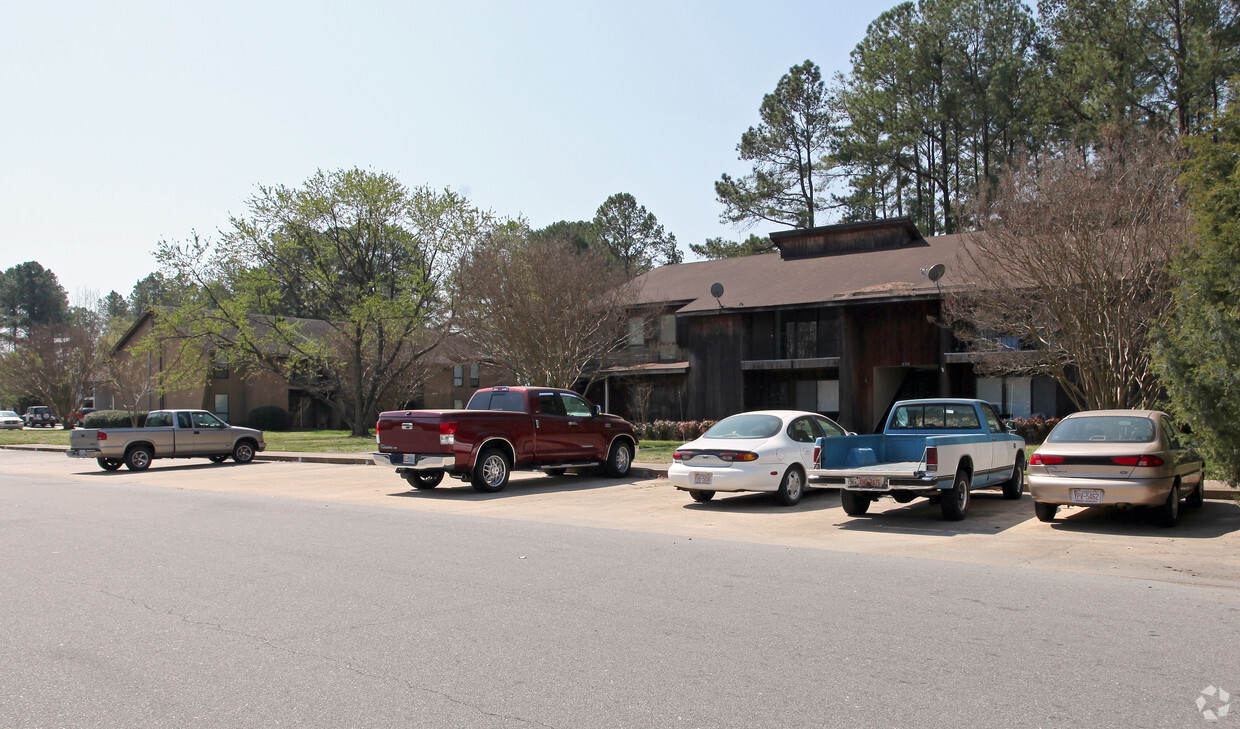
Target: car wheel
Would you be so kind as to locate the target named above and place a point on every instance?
(243, 452)
(1197, 498)
(423, 479)
(1169, 513)
(109, 464)
(138, 459)
(491, 471)
(855, 504)
(217, 459)
(791, 488)
(1015, 486)
(1045, 512)
(955, 503)
(701, 496)
(619, 460)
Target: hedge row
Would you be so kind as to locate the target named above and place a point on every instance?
(672, 430)
(114, 419)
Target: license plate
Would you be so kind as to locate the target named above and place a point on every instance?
(1087, 496)
(702, 478)
(873, 483)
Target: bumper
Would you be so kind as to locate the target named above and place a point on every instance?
(1137, 491)
(419, 461)
(84, 453)
(730, 478)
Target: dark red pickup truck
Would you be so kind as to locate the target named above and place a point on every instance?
(502, 428)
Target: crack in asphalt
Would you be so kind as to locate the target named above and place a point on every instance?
(303, 654)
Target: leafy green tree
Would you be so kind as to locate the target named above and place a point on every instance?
(716, 248)
(631, 235)
(156, 289)
(787, 185)
(30, 295)
(581, 234)
(114, 306)
(1198, 354)
(336, 286)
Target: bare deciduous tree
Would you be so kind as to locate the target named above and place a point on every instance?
(56, 365)
(541, 309)
(1072, 263)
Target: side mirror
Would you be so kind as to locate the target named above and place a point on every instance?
(598, 410)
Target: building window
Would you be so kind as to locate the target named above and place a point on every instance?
(458, 376)
(473, 375)
(221, 407)
(800, 339)
(637, 332)
(219, 367)
(667, 329)
(458, 405)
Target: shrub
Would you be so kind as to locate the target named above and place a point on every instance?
(672, 430)
(113, 419)
(270, 417)
(1034, 430)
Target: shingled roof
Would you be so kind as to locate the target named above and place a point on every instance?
(772, 281)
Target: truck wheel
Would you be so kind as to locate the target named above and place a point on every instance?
(791, 488)
(1015, 486)
(955, 503)
(619, 460)
(491, 471)
(701, 496)
(138, 459)
(1169, 513)
(217, 459)
(423, 479)
(243, 452)
(1045, 512)
(854, 504)
(109, 464)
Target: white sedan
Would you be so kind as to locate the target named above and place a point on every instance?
(10, 420)
(763, 450)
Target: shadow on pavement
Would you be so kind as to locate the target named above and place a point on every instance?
(989, 513)
(1213, 519)
(764, 503)
(454, 488)
(166, 465)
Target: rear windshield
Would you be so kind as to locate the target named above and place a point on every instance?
(745, 426)
(1103, 428)
(935, 416)
(502, 400)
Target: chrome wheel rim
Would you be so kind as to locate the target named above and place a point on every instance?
(493, 470)
(794, 484)
(622, 460)
(244, 454)
(140, 459)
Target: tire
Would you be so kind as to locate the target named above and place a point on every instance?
(701, 496)
(791, 488)
(491, 471)
(217, 459)
(423, 480)
(855, 504)
(1015, 486)
(619, 459)
(109, 464)
(1169, 513)
(1197, 498)
(1045, 512)
(955, 503)
(243, 452)
(138, 459)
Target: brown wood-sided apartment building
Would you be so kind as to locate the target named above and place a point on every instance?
(843, 320)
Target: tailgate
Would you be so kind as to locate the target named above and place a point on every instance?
(80, 438)
(408, 432)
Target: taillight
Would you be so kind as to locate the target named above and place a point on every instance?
(383, 425)
(1138, 461)
(733, 456)
(101, 435)
(1040, 460)
(677, 455)
(447, 432)
(932, 458)
(817, 453)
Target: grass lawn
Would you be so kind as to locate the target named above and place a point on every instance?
(319, 441)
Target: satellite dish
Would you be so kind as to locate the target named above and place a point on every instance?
(716, 290)
(935, 272)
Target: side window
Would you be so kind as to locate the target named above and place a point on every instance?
(1172, 433)
(549, 403)
(206, 420)
(828, 428)
(159, 420)
(183, 421)
(575, 406)
(802, 431)
(992, 419)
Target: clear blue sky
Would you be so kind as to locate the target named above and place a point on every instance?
(131, 121)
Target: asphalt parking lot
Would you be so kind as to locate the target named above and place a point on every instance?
(1202, 549)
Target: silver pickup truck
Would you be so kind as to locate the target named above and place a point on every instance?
(167, 434)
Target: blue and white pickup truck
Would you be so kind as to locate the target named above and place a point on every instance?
(937, 448)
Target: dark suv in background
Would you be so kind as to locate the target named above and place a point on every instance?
(38, 416)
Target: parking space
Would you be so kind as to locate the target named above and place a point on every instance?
(997, 532)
